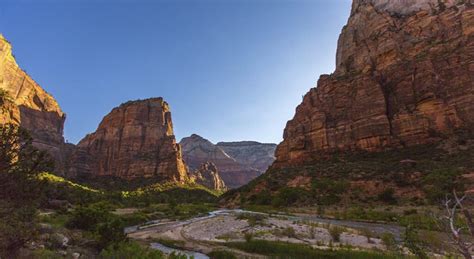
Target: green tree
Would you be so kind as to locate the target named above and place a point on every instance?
(20, 189)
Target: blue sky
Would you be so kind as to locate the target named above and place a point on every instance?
(230, 69)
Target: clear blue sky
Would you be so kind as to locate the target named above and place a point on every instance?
(230, 69)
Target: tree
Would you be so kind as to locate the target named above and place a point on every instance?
(452, 206)
(20, 190)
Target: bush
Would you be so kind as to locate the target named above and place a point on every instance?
(111, 232)
(388, 196)
(221, 254)
(290, 196)
(289, 232)
(289, 250)
(327, 191)
(335, 233)
(253, 218)
(20, 165)
(389, 241)
(438, 183)
(89, 217)
(248, 237)
(130, 250)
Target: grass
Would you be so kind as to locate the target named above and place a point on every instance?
(288, 250)
(45, 176)
(56, 220)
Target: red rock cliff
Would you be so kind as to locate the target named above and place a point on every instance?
(135, 140)
(30, 106)
(404, 76)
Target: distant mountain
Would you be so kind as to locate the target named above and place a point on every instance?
(253, 154)
(237, 162)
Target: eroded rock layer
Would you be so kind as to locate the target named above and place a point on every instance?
(135, 140)
(208, 175)
(404, 76)
(30, 106)
(253, 154)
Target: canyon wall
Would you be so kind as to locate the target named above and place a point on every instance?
(30, 106)
(404, 76)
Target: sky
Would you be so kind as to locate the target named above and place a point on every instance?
(230, 69)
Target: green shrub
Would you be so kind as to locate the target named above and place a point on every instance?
(289, 232)
(387, 196)
(389, 241)
(290, 196)
(335, 232)
(253, 218)
(413, 242)
(248, 237)
(440, 182)
(221, 254)
(291, 250)
(111, 232)
(328, 191)
(125, 250)
(88, 217)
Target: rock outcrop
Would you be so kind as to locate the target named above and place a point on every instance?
(404, 76)
(135, 140)
(235, 171)
(208, 176)
(253, 154)
(30, 106)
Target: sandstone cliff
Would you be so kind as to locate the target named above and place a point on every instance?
(208, 175)
(250, 153)
(234, 171)
(135, 140)
(404, 76)
(30, 106)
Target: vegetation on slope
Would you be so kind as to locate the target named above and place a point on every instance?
(416, 175)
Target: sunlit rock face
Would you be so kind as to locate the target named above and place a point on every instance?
(404, 76)
(208, 175)
(30, 106)
(238, 162)
(135, 140)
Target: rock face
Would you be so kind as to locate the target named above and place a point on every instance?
(404, 76)
(208, 176)
(235, 171)
(253, 154)
(30, 106)
(135, 140)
